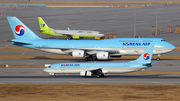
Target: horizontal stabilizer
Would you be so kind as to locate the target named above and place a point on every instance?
(20, 42)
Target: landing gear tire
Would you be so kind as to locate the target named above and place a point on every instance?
(158, 59)
(91, 58)
(86, 59)
(100, 75)
(94, 58)
(54, 75)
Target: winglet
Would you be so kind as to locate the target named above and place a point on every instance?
(68, 28)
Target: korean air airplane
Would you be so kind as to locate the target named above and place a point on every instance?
(99, 69)
(72, 34)
(91, 49)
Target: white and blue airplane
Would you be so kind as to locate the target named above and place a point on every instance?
(99, 69)
(91, 49)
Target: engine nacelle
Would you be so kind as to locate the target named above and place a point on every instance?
(102, 55)
(85, 73)
(75, 37)
(78, 54)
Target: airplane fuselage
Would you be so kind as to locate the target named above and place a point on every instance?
(105, 67)
(75, 34)
(81, 33)
(123, 46)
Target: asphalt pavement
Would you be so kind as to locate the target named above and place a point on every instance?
(118, 20)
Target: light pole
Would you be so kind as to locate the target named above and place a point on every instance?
(134, 18)
(156, 18)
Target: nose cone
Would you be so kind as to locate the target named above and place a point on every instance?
(98, 34)
(45, 69)
(164, 46)
(169, 47)
(173, 47)
(101, 35)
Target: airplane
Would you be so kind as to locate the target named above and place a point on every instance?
(91, 50)
(99, 69)
(72, 34)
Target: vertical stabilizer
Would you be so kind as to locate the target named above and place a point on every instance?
(146, 55)
(20, 30)
(44, 27)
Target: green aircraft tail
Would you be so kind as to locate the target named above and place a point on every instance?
(44, 27)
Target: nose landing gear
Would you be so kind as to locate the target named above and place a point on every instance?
(158, 58)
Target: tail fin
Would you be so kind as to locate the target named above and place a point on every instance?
(146, 55)
(20, 30)
(43, 26)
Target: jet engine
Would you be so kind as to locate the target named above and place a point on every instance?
(78, 54)
(102, 55)
(85, 73)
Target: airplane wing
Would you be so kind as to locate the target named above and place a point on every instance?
(97, 71)
(85, 49)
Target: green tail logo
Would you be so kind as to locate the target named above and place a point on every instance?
(42, 25)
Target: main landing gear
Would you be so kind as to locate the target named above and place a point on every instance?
(100, 75)
(91, 58)
(158, 58)
(53, 74)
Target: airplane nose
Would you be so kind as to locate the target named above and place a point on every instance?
(45, 69)
(101, 35)
(173, 47)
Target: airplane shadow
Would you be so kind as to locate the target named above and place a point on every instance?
(83, 60)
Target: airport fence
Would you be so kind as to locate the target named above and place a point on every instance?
(22, 4)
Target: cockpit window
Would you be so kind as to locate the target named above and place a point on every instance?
(49, 67)
(163, 40)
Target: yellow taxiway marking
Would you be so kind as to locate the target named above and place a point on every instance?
(0, 62)
(1, 72)
(23, 53)
(6, 46)
(30, 63)
(163, 83)
(78, 82)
